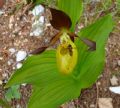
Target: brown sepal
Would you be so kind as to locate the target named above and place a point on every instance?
(60, 19)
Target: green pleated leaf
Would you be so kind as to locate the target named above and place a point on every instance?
(90, 64)
(36, 69)
(51, 88)
(73, 8)
(54, 94)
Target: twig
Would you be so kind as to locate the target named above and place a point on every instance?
(97, 95)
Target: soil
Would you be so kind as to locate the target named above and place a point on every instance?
(17, 36)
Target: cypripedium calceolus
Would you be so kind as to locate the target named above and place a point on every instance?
(66, 53)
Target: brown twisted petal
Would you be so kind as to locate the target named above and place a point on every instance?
(91, 44)
(55, 38)
(39, 50)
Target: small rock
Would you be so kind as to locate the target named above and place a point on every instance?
(1, 12)
(19, 65)
(38, 10)
(13, 68)
(42, 19)
(105, 89)
(69, 105)
(21, 55)
(118, 62)
(9, 63)
(18, 18)
(114, 81)
(105, 103)
(98, 83)
(5, 75)
(11, 20)
(37, 32)
(12, 50)
(119, 21)
(1, 82)
(92, 106)
(115, 89)
(24, 84)
(18, 106)
(47, 24)
(20, 33)
(1, 58)
(38, 21)
(85, 102)
(31, 34)
(10, 26)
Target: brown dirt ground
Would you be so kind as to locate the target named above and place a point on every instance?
(18, 38)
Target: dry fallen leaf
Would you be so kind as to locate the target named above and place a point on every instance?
(114, 81)
(68, 105)
(105, 103)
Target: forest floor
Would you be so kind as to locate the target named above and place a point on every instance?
(15, 34)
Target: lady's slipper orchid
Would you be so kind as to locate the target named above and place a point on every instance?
(66, 53)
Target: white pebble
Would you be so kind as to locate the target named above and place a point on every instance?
(37, 32)
(9, 63)
(4, 75)
(12, 50)
(1, 12)
(38, 10)
(13, 68)
(10, 26)
(24, 84)
(21, 55)
(1, 58)
(11, 20)
(18, 106)
(115, 89)
(118, 62)
(42, 19)
(19, 65)
(1, 82)
(47, 24)
(92, 106)
(31, 34)
(98, 83)
(119, 21)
